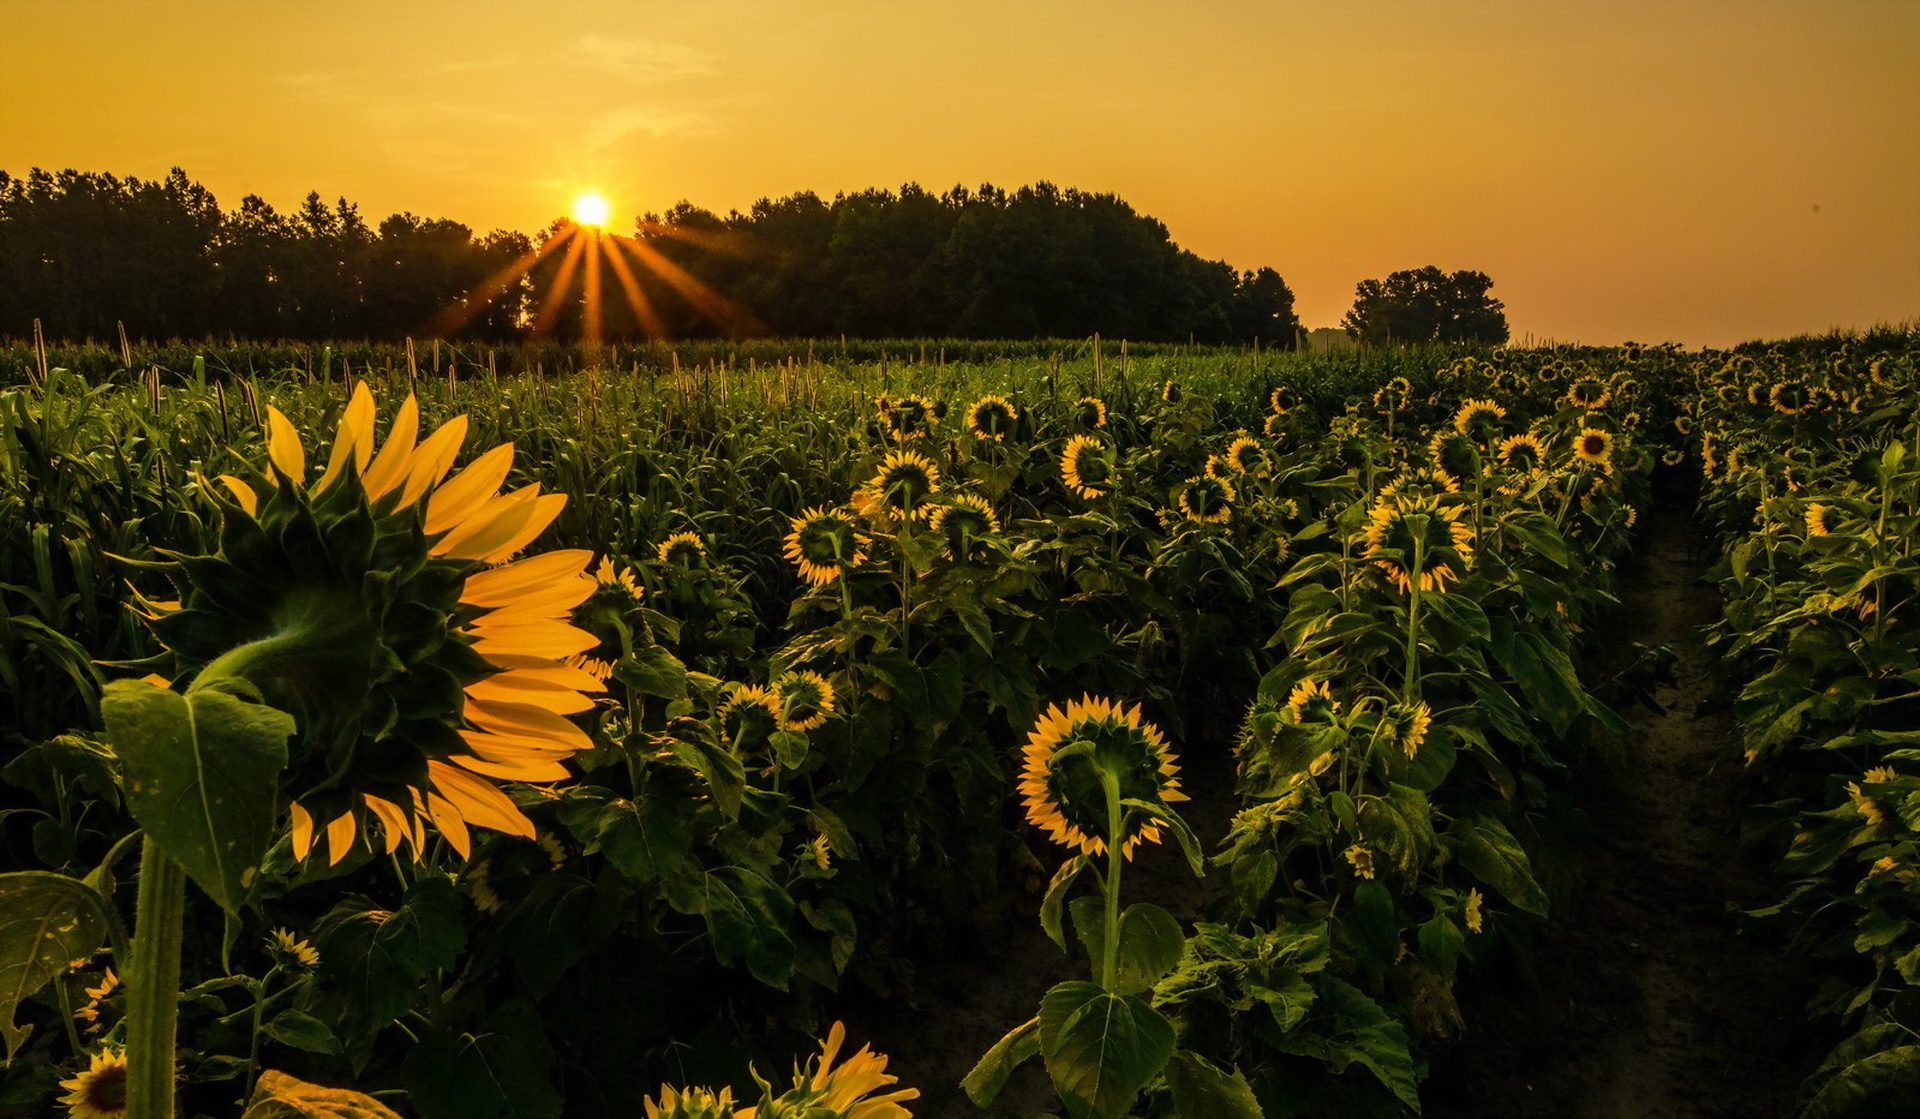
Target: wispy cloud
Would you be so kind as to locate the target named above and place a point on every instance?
(641, 59)
(609, 128)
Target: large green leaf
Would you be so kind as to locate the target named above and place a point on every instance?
(279, 1096)
(202, 776)
(373, 961)
(1101, 1048)
(1150, 942)
(500, 1072)
(1021, 1044)
(46, 921)
(1885, 1083)
(1485, 846)
(1202, 1090)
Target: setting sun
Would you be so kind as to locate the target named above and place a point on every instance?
(590, 209)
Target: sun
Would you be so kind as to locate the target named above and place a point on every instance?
(590, 209)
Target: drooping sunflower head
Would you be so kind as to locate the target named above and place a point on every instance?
(749, 716)
(1588, 393)
(1524, 454)
(1245, 456)
(98, 1091)
(991, 417)
(904, 481)
(1479, 420)
(908, 417)
(1312, 702)
(1063, 783)
(1090, 412)
(1407, 725)
(1593, 448)
(1275, 425)
(377, 606)
(806, 700)
(1087, 467)
(1816, 517)
(824, 543)
(1281, 400)
(1393, 396)
(1170, 392)
(969, 525)
(1418, 538)
(682, 549)
(1207, 500)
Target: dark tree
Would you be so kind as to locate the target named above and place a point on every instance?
(1427, 305)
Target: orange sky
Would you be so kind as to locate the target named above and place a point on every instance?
(1694, 171)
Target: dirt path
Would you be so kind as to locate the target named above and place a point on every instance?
(1645, 1002)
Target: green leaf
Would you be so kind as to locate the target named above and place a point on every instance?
(1485, 847)
(372, 961)
(302, 1031)
(1150, 946)
(1885, 1083)
(500, 1072)
(560, 920)
(1052, 906)
(1101, 1048)
(1202, 1090)
(747, 916)
(46, 920)
(1021, 1044)
(202, 776)
(279, 1096)
(645, 839)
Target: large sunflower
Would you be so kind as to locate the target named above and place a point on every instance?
(823, 544)
(1086, 466)
(991, 417)
(682, 548)
(98, 1091)
(903, 483)
(376, 606)
(1594, 448)
(968, 523)
(1589, 393)
(1479, 420)
(1062, 786)
(1245, 456)
(908, 417)
(805, 699)
(1418, 537)
(1090, 412)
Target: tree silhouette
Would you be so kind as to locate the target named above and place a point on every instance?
(1426, 305)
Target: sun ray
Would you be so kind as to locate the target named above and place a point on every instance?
(591, 319)
(556, 296)
(453, 319)
(649, 319)
(716, 307)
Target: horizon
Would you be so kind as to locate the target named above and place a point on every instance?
(1704, 176)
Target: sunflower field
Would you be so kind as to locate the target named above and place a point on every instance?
(639, 738)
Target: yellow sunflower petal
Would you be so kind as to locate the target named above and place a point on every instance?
(526, 723)
(242, 493)
(532, 690)
(340, 835)
(496, 758)
(355, 437)
(449, 823)
(510, 584)
(546, 507)
(463, 494)
(283, 446)
(393, 821)
(302, 831)
(549, 672)
(480, 801)
(432, 459)
(389, 467)
(539, 639)
(488, 525)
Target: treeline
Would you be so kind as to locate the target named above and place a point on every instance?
(85, 253)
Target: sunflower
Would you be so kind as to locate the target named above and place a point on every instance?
(1245, 456)
(1170, 392)
(908, 417)
(845, 1091)
(1090, 412)
(969, 524)
(1817, 520)
(1589, 393)
(1594, 448)
(823, 544)
(1207, 500)
(1436, 484)
(1789, 398)
(1473, 914)
(1086, 466)
(1275, 425)
(1523, 453)
(289, 950)
(904, 481)
(1312, 701)
(1362, 859)
(352, 601)
(618, 578)
(1281, 400)
(1409, 723)
(100, 1090)
(1454, 453)
(991, 417)
(1062, 784)
(692, 1103)
(1479, 420)
(805, 699)
(1405, 533)
(682, 548)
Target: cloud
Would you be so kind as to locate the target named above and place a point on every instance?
(614, 125)
(641, 58)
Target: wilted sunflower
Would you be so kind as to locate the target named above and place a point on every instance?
(1086, 466)
(1588, 393)
(969, 524)
(1207, 500)
(904, 482)
(98, 1091)
(806, 699)
(682, 548)
(991, 417)
(1090, 412)
(1066, 754)
(824, 543)
(910, 416)
(1408, 724)
(1418, 537)
(1311, 701)
(352, 601)
(1245, 456)
(1479, 420)
(1594, 448)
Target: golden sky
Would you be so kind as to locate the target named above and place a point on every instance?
(1694, 170)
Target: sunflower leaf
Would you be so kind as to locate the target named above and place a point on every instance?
(1021, 1044)
(202, 777)
(46, 920)
(1101, 1048)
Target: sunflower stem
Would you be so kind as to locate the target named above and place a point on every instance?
(1412, 680)
(153, 983)
(1110, 944)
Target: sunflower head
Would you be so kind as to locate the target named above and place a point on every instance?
(909, 417)
(1207, 500)
(1281, 400)
(1593, 448)
(1524, 454)
(1170, 392)
(1454, 453)
(903, 483)
(991, 417)
(377, 606)
(98, 1091)
(1090, 412)
(968, 523)
(1588, 393)
(1275, 425)
(1073, 753)
(1427, 485)
(1245, 456)
(1790, 398)
(822, 1088)
(1312, 702)
(749, 717)
(1479, 420)
(1407, 725)
(1816, 518)
(290, 951)
(824, 543)
(805, 699)
(682, 549)
(1087, 467)
(1418, 538)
